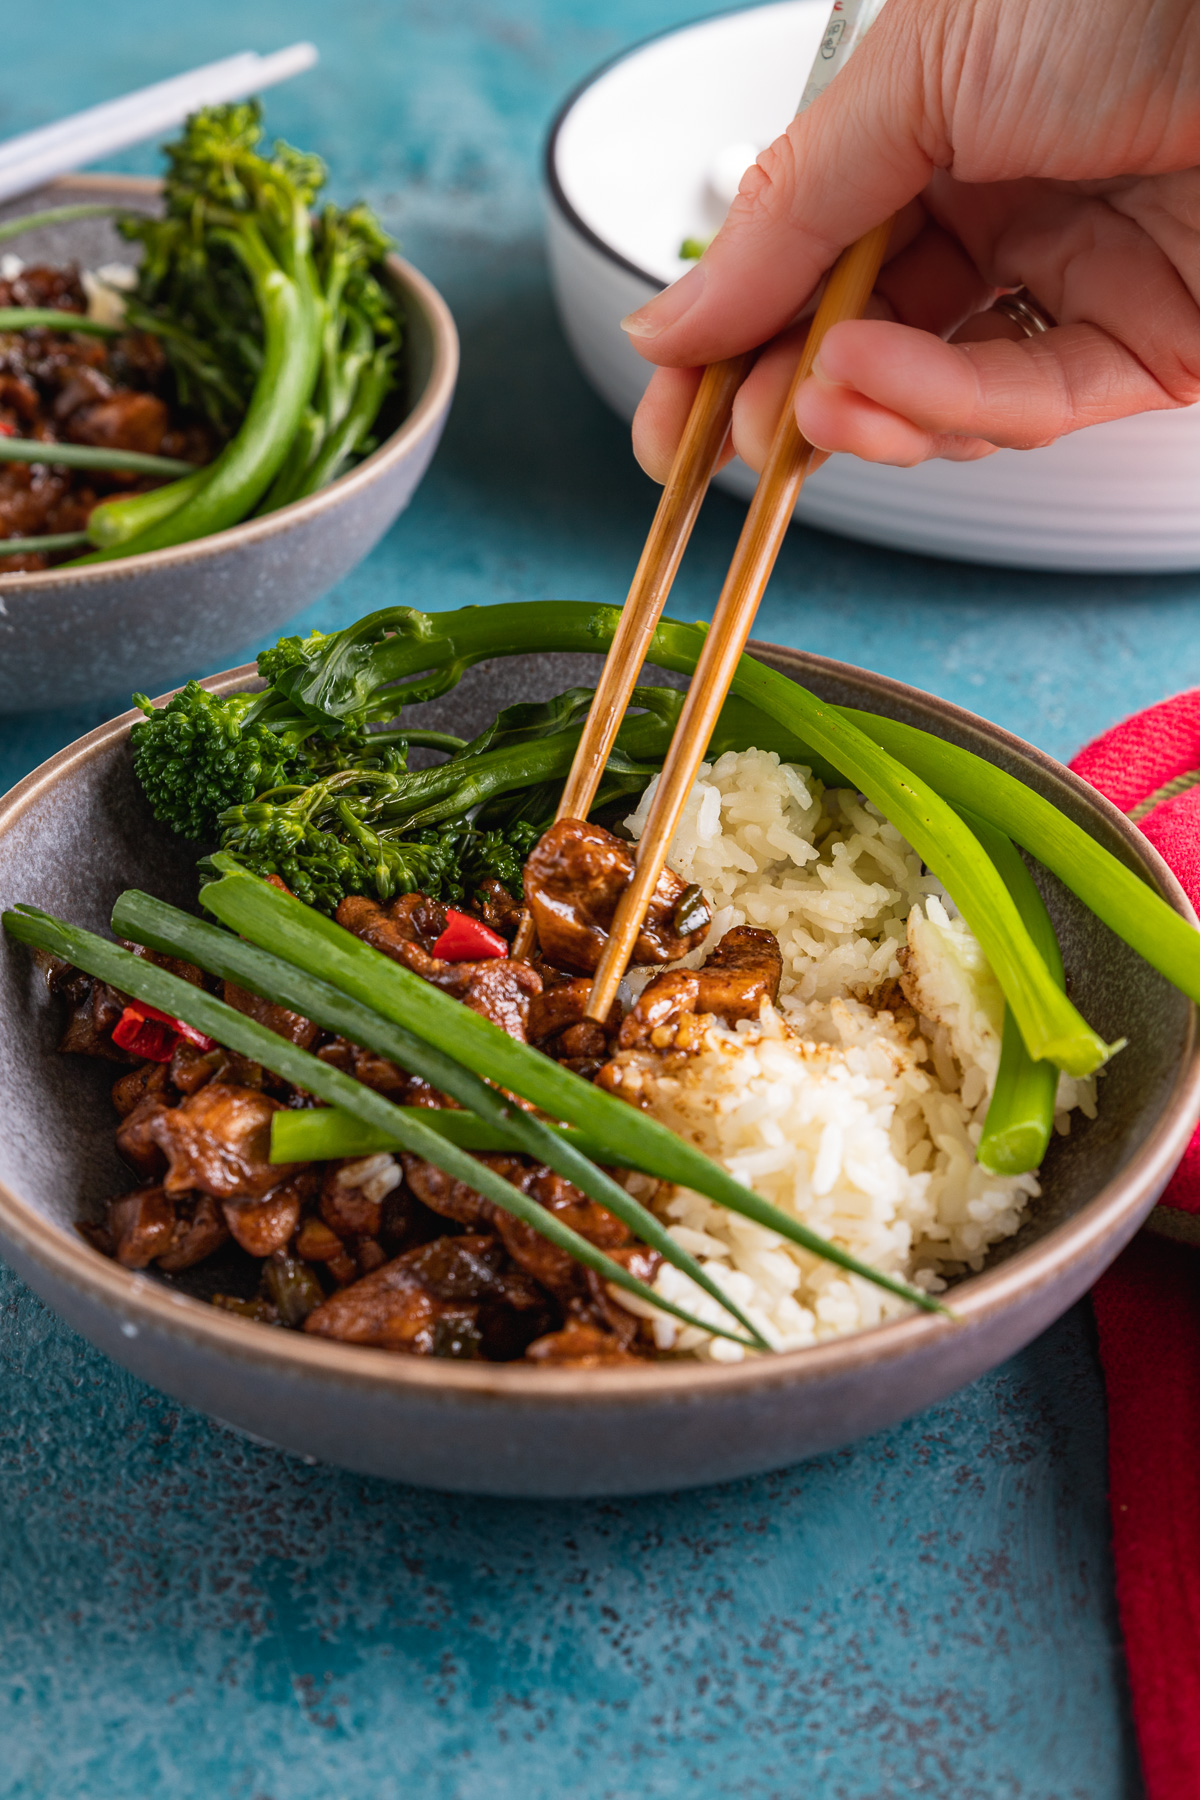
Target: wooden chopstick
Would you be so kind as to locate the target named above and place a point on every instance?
(790, 460)
(678, 507)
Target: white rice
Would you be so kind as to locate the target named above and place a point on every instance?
(856, 1105)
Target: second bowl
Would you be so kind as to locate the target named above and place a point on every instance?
(71, 636)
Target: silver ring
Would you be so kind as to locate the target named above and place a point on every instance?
(1025, 311)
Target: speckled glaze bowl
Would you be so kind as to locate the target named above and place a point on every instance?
(74, 635)
(77, 831)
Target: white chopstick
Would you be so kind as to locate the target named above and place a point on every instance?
(37, 156)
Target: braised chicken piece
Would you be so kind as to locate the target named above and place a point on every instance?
(372, 1070)
(192, 1068)
(497, 908)
(263, 1226)
(65, 387)
(581, 1346)
(558, 1025)
(743, 971)
(150, 1081)
(116, 421)
(292, 1026)
(94, 1009)
(217, 1140)
(499, 987)
(457, 1297)
(577, 1289)
(574, 880)
(175, 1231)
(452, 1199)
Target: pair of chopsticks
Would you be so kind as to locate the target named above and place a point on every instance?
(37, 156)
(791, 459)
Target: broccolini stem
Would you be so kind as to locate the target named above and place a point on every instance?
(246, 467)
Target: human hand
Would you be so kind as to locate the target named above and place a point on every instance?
(1018, 144)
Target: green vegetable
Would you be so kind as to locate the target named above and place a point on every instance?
(152, 922)
(424, 651)
(279, 330)
(202, 753)
(332, 810)
(54, 215)
(225, 200)
(322, 948)
(1020, 1115)
(693, 248)
(134, 975)
(42, 546)
(425, 654)
(326, 1134)
(48, 318)
(87, 456)
(360, 344)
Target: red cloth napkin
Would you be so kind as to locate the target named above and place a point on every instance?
(1148, 1315)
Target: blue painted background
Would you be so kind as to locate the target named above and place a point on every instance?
(929, 1613)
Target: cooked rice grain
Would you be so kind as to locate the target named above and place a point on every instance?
(856, 1106)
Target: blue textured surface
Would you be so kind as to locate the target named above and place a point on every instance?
(930, 1613)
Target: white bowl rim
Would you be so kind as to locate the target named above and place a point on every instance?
(554, 180)
(425, 417)
(977, 1300)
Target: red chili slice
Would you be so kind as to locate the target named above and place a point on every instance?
(468, 940)
(153, 1034)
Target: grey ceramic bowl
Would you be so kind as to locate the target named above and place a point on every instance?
(77, 831)
(68, 636)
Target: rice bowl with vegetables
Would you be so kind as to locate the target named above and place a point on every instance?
(356, 1113)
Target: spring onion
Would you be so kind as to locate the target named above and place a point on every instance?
(302, 936)
(1020, 1115)
(327, 1134)
(89, 456)
(145, 981)
(42, 546)
(161, 927)
(49, 318)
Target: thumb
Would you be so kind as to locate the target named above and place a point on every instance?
(851, 160)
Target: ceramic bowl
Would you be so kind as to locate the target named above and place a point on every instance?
(70, 636)
(77, 831)
(628, 175)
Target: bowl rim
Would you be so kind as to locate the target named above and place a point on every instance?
(1106, 1220)
(424, 417)
(554, 183)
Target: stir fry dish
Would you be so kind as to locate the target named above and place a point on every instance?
(833, 1072)
(245, 368)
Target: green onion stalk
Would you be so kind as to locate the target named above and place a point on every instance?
(300, 935)
(49, 318)
(1020, 1114)
(144, 981)
(231, 486)
(153, 923)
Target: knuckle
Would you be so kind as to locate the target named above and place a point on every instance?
(768, 187)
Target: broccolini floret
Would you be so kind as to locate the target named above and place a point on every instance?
(199, 755)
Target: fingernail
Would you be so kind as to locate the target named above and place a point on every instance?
(820, 373)
(667, 308)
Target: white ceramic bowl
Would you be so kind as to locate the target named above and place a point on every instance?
(627, 167)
